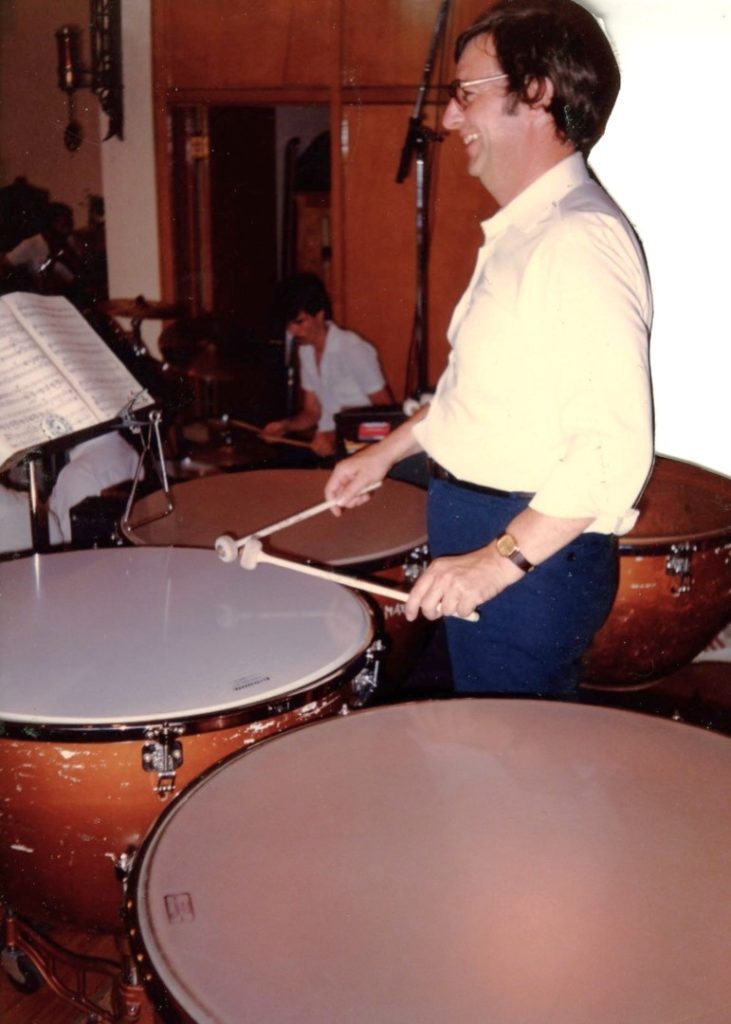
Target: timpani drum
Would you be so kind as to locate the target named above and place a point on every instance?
(467, 861)
(674, 591)
(127, 672)
(385, 537)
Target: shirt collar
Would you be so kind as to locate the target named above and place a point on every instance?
(534, 202)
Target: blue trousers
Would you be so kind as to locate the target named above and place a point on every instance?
(531, 637)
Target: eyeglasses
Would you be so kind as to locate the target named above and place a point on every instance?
(458, 91)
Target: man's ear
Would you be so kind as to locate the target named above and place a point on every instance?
(540, 92)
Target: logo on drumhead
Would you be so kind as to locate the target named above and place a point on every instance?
(179, 908)
(55, 425)
(246, 681)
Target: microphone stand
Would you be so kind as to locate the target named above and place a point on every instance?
(417, 138)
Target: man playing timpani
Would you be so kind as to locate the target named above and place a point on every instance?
(540, 431)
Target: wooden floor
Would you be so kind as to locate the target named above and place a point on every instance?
(699, 694)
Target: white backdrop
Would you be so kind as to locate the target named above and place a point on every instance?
(664, 160)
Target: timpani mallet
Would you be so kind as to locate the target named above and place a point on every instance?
(227, 547)
(253, 554)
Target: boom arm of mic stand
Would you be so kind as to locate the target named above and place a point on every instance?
(414, 126)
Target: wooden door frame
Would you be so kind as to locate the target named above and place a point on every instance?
(200, 179)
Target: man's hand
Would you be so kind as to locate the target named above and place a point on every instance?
(458, 584)
(353, 475)
(370, 465)
(323, 443)
(277, 428)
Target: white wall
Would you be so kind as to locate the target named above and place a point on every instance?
(664, 159)
(128, 170)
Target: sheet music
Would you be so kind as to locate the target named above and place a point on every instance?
(58, 375)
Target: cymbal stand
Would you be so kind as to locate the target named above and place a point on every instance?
(139, 348)
(38, 510)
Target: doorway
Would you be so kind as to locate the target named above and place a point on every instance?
(251, 204)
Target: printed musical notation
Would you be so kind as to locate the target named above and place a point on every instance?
(58, 377)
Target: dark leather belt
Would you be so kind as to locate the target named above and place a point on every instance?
(440, 473)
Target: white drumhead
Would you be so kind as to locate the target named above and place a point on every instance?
(470, 861)
(123, 635)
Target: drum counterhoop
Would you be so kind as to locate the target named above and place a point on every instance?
(128, 672)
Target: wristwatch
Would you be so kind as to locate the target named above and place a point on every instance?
(507, 546)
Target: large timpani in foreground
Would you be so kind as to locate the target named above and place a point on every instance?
(674, 579)
(467, 861)
(385, 537)
(126, 673)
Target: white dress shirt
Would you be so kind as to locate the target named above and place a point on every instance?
(33, 252)
(547, 388)
(348, 373)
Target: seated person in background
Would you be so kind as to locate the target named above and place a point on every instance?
(338, 369)
(94, 465)
(15, 530)
(51, 258)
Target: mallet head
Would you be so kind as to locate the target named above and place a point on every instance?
(251, 553)
(226, 548)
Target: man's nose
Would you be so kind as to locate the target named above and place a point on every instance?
(453, 116)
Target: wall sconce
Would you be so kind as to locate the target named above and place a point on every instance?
(104, 77)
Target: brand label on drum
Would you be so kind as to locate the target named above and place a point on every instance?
(179, 908)
(247, 681)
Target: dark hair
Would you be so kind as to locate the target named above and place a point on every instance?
(557, 41)
(301, 293)
(58, 210)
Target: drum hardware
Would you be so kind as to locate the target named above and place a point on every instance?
(73, 976)
(141, 308)
(365, 683)
(679, 563)
(123, 865)
(416, 561)
(137, 310)
(164, 755)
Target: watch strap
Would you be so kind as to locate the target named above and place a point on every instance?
(518, 558)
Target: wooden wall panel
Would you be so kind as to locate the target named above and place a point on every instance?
(387, 43)
(369, 65)
(230, 44)
(380, 237)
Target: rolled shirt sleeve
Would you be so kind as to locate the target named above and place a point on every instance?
(596, 325)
